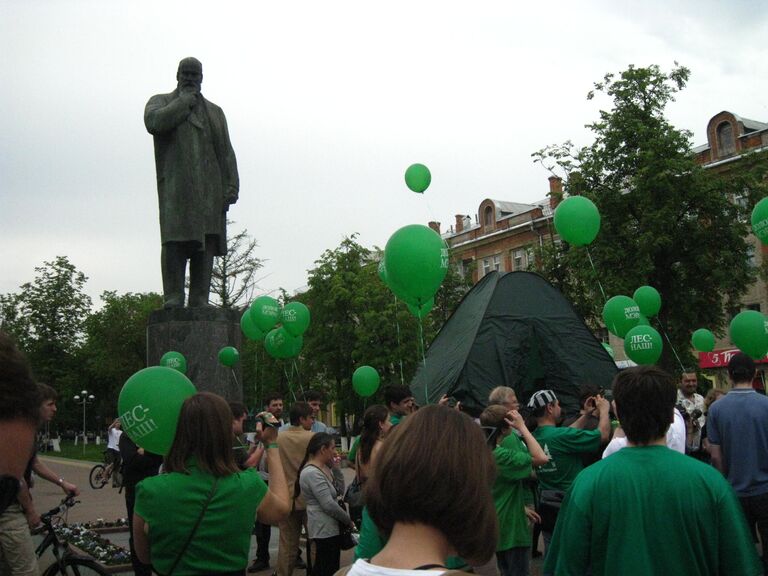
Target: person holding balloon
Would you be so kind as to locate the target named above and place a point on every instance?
(203, 498)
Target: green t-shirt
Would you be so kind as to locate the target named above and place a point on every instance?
(651, 510)
(171, 504)
(513, 465)
(395, 419)
(564, 447)
(353, 451)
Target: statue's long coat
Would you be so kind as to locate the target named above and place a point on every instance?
(196, 169)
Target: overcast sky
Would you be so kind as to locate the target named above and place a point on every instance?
(327, 105)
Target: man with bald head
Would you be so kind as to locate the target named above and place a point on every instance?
(197, 180)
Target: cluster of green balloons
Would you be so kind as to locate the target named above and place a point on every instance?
(149, 405)
(760, 220)
(418, 178)
(749, 333)
(577, 220)
(627, 318)
(260, 322)
(414, 266)
(703, 340)
(365, 381)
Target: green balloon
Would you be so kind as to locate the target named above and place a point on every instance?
(229, 356)
(643, 345)
(249, 328)
(703, 340)
(422, 311)
(149, 406)
(280, 344)
(648, 299)
(365, 381)
(748, 333)
(416, 259)
(577, 220)
(609, 349)
(383, 272)
(265, 312)
(418, 178)
(295, 318)
(620, 315)
(174, 360)
(760, 220)
(643, 321)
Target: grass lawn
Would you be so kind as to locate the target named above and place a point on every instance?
(93, 453)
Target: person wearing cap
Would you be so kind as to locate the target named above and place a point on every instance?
(737, 431)
(564, 446)
(648, 509)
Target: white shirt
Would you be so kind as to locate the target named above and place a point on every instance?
(675, 438)
(363, 568)
(114, 439)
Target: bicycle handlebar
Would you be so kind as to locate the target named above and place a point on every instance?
(68, 502)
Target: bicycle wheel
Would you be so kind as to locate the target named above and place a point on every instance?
(76, 567)
(97, 477)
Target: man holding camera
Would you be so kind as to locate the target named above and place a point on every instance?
(691, 406)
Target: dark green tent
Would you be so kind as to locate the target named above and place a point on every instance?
(515, 330)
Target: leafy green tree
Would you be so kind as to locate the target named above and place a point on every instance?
(666, 222)
(115, 345)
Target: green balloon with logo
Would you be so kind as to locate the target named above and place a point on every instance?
(620, 315)
(174, 360)
(149, 405)
(643, 345)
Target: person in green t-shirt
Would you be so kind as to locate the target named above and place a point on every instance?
(399, 401)
(564, 446)
(513, 467)
(647, 509)
(196, 518)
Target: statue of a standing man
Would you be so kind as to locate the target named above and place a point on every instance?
(196, 182)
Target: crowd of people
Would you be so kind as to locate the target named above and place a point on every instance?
(653, 479)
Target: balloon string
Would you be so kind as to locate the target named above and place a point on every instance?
(397, 323)
(234, 376)
(298, 376)
(423, 359)
(663, 331)
(290, 388)
(605, 298)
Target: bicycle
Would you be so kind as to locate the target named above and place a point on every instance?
(66, 561)
(101, 474)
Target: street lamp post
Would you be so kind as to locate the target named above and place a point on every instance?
(84, 399)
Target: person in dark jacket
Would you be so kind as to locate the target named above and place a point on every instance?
(137, 465)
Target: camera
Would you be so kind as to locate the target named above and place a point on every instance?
(695, 414)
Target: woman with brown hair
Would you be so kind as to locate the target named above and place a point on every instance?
(197, 517)
(429, 494)
(376, 424)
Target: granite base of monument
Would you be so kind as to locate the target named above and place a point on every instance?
(199, 334)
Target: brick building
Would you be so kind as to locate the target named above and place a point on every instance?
(503, 236)
(730, 139)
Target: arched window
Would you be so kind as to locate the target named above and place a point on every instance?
(725, 143)
(488, 216)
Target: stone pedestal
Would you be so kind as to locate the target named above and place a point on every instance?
(199, 334)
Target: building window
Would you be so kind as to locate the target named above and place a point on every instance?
(497, 263)
(488, 217)
(486, 266)
(520, 259)
(492, 263)
(752, 261)
(725, 142)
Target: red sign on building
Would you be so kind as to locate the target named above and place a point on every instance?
(720, 358)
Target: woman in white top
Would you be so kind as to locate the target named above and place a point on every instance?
(324, 514)
(429, 494)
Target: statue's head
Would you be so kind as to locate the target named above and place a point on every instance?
(190, 74)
